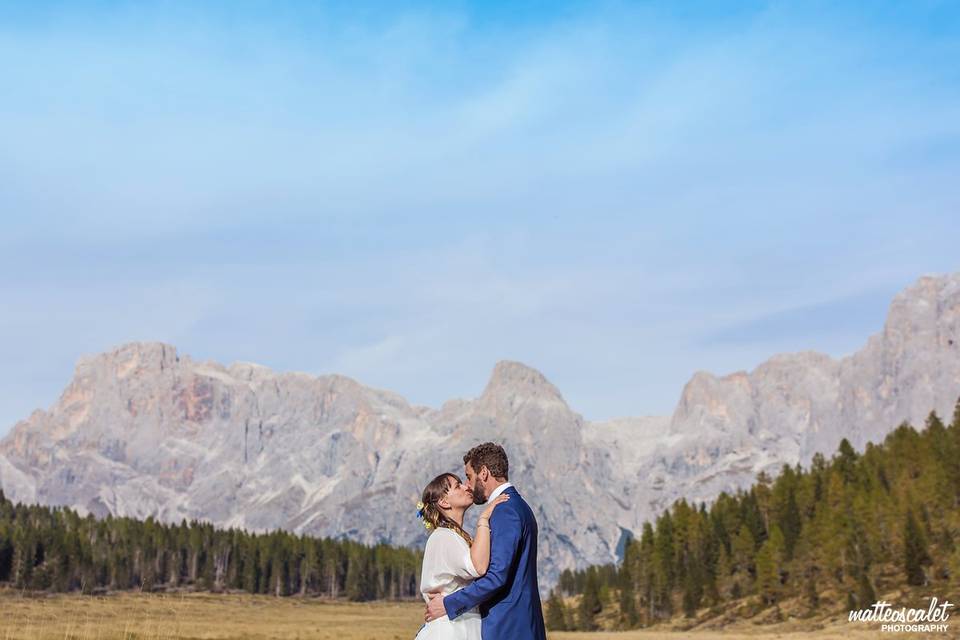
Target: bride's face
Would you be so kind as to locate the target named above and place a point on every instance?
(458, 494)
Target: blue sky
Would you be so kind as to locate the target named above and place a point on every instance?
(618, 194)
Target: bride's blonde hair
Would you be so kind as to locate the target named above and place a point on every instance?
(432, 494)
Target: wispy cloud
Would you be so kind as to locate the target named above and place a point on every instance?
(842, 320)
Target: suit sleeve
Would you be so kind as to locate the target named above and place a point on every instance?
(505, 530)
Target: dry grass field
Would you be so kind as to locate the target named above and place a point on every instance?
(207, 616)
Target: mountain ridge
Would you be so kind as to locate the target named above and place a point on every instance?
(142, 430)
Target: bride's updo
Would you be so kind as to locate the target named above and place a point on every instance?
(432, 494)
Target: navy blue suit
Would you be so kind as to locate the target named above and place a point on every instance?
(507, 595)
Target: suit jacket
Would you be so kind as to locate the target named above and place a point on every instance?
(507, 595)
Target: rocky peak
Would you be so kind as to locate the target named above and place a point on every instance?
(928, 310)
(131, 357)
(511, 380)
(912, 366)
(710, 402)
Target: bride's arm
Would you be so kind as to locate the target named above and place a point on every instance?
(480, 549)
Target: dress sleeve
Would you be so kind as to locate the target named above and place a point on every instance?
(456, 556)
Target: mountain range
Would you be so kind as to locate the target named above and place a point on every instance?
(145, 431)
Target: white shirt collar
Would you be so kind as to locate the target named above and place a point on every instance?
(496, 492)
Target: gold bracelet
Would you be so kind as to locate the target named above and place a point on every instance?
(482, 524)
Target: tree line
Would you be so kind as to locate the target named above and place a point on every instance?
(848, 527)
(56, 549)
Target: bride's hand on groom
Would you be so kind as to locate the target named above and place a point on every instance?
(493, 505)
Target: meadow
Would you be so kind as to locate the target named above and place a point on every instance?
(182, 616)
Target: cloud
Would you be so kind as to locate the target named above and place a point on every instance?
(821, 325)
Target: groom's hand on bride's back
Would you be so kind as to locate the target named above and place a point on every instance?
(435, 607)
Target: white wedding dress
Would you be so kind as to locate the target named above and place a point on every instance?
(447, 567)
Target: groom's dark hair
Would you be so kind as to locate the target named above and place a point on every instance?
(489, 455)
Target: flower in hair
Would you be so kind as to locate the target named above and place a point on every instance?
(420, 510)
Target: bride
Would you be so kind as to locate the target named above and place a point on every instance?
(452, 558)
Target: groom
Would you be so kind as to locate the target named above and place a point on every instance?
(507, 595)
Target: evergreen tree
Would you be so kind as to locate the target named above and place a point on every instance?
(629, 616)
(664, 572)
(556, 618)
(915, 554)
(790, 522)
(567, 582)
(743, 550)
(646, 574)
(691, 594)
(769, 566)
(590, 605)
(724, 569)
(846, 461)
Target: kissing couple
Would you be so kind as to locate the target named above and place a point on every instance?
(484, 585)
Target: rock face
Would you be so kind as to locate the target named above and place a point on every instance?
(725, 430)
(144, 431)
